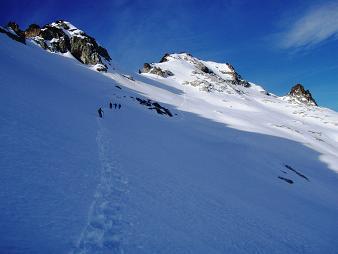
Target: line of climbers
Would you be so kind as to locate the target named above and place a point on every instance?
(116, 106)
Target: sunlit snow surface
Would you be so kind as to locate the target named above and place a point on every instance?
(249, 109)
(207, 180)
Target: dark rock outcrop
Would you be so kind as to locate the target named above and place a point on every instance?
(237, 79)
(83, 47)
(164, 58)
(206, 69)
(128, 77)
(15, 27)
(163, 73)
(202, 67)
(297, 172)
(13, 31)
(62, 37)
(286, 179)
(301, 95)
(84, 50)
(32, 31)
(49, 37)
(155, 106)
(147, 68)
(51, 32)
(186, 53)
(103, 53)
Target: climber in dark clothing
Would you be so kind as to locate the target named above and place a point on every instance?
(115, 105)
(100, 111)
(110, 105)
(119, 106)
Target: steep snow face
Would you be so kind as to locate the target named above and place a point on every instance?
(237, 172)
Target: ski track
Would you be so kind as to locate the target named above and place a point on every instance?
(105, 227)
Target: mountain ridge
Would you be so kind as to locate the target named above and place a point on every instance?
(173, 170)
(208, 75)
(63, 37)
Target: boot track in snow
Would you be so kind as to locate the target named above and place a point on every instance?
(104, 230)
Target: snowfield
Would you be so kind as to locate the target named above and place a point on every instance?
(233, 170)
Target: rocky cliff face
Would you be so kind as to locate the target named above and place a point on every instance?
(300, 95)
(236, 77)
(62, 37)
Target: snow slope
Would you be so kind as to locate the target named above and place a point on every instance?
(211, 179)
(248, 108)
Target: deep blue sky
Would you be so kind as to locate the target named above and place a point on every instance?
(274, 43)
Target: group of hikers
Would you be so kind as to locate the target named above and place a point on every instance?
(116, 106)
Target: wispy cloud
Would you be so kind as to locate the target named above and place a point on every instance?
(312, 27)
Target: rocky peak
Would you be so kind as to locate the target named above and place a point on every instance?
(164, 58)
(15, 27)
(208, 76)
(63, 37)
(299, 94)
(13, 31)
(233, 72)
(32, 31)
(157, 70)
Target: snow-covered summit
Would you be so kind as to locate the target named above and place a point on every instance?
(188, 70)
(211, 76)
(224, 70)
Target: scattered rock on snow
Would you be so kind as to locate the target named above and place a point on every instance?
(147, 68)
(163, 73)
(128, 77)
(286, 179)
(155, 106)
(297, 172)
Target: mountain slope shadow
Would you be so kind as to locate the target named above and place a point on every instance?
(201, 179)
(157, 84)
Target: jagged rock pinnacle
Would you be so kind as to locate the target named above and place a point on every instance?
(299, 93)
